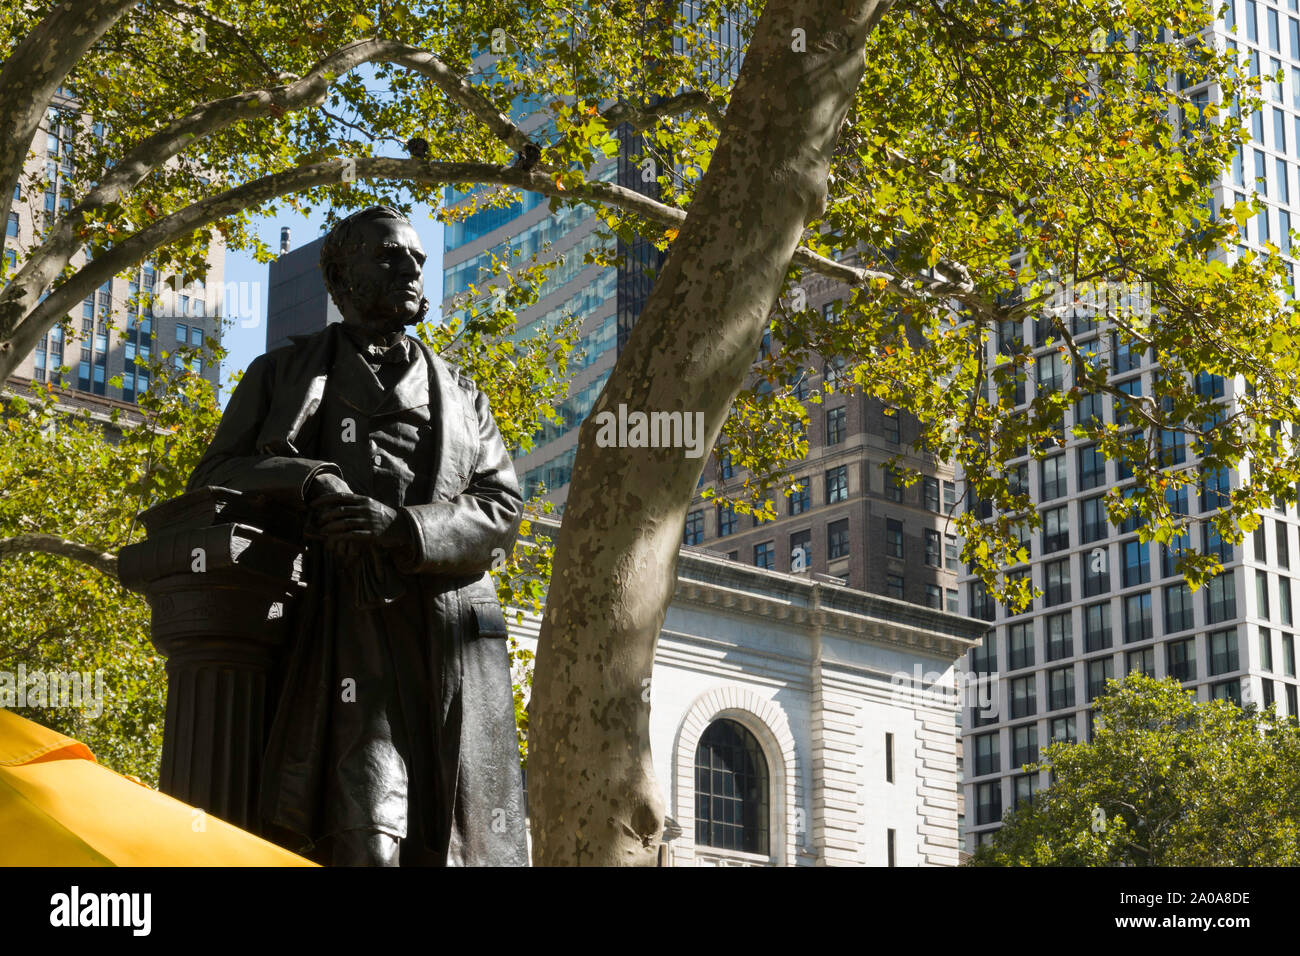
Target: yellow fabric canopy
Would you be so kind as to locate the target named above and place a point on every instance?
(58, 807)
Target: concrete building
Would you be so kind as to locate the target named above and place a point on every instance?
(795, 722)
(1110, 603)
(118, 321)
(297, 302)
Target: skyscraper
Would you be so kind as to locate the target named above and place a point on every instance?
(607, 299)
(187, 312)
(1110, 603)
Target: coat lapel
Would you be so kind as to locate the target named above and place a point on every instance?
(299, 390)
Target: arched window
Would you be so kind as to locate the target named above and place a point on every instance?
(731, 783)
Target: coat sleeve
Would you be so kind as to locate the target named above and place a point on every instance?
(233, 459)
(459, 536)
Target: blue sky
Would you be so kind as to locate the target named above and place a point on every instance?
(245, 336)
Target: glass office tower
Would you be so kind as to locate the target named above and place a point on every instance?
(1111, 604)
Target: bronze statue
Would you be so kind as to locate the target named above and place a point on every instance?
(393, 739)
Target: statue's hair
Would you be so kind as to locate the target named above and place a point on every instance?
(341, 245)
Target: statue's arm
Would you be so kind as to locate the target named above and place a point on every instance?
(233, 459)
(460, 536)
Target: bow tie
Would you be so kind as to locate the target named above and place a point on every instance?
(387, 354)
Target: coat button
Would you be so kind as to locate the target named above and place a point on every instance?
(378, 461)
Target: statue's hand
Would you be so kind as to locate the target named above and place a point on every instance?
(326, 484)
(345, 518)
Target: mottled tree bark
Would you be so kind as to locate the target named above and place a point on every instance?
(593, 795)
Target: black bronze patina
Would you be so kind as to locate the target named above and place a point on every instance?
(391, 730)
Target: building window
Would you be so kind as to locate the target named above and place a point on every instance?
(837, 484)
(1060, 637)
(893, 538)
(1092, 468)
(800, 500)
(1288, 656)
(1099, 671)
(1024, 745)
(1220, 598)
(889, 758)
(731, 784)
(1265, 649)
(726, 467)
(1283, 548)
(1020, 645)
(933, 554)
(988, 802)
(982, 605)
(1180, 659)
(1024, 695)
(1137, 617)
(889, 418)
(1052, 483)
(951, 601)
(984, 656)
(1214, 488)
(1141, 661)
(1056, 529)
(934, 597)
(894, 586)
(835, 426)
(951, 552)
(1137, 563)
(1056, 582)
(1063, 729)
(694, 533)
(893, 488)
(801, 550)
(1095, 526)
(1178, 608)
(1223, 651)
(11, 230)
(837, 539)
(1060, 688)
(1096, 627)
(987, 759)
(890, 857)
(930, 493)
(1096, 572)
(765, 555)
(726, 520)
(1023, 793)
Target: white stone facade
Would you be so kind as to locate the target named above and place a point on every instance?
(819, 675)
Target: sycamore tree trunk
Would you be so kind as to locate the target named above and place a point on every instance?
(593, 795)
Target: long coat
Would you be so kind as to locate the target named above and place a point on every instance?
(430, 613)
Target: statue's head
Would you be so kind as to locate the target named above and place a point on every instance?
(373, 266)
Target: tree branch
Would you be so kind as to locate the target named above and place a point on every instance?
(204, 213)
(45, 264)
(101, 561)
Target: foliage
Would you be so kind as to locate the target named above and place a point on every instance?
(67, 474)
(1166, 781)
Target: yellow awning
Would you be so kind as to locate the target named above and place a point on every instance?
(58, 807)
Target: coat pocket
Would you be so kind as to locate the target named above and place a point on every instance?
(489, 621)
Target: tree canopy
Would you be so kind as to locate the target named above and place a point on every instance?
(1165, 781)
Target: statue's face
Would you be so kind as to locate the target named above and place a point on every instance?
(386, 277)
